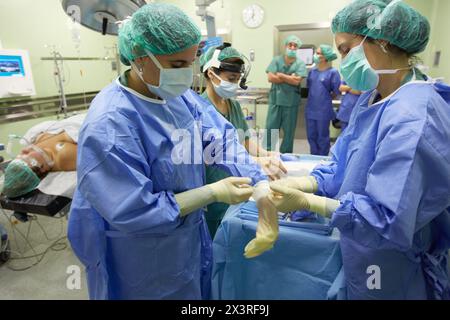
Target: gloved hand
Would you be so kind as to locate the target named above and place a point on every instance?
(305, 184)
(288, 199)
(272, 166)
(273, 154)
(267, 229)
(232, 190)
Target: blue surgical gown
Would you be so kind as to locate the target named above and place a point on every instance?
(124, 222)
(321, 84)
(348, 102)
(391, 173)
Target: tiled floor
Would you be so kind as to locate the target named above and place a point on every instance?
(48, 279)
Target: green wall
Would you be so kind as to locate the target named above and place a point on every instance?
(440, 40)
(437, 12)
(284, 12)
(32, 24)
(261, 39)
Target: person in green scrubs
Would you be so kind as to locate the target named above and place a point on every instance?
(285, 72)
(223, 67)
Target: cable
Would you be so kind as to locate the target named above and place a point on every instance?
(56, 245)
(52, 246)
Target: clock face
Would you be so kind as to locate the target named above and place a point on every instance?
(253, 16)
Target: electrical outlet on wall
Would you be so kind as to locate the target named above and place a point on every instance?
(437, 58)
(252, 55)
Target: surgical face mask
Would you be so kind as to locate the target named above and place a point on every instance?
(316, 59)
(357, 71)
(225, 89)
(172, 82)
(291, 53)
(33, 162)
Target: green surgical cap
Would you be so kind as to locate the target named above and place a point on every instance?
(397, 23)
(293, 39)
(159, 28)
(328, 52)
(227, 53)
(19, 179)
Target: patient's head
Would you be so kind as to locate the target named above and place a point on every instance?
(37, 159)
(19, 179)
(24, 173)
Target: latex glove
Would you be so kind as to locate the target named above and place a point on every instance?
(305, 184)
(232, 190)
(273, 154)
(272, 166)
(287, 199)
(267, 229)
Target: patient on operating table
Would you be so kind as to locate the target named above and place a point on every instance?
(51, 146)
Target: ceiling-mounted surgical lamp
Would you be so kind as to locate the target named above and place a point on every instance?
(101, 15)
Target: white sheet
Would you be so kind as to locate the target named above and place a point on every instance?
(70, 125)
(61, 183)
(300, 169)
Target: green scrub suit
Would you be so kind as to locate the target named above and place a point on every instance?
(217, 210)
(284, 101)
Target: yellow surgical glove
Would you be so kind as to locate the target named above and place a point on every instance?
(305, 184)
(267, 228)
(232, 190)
(287, 199)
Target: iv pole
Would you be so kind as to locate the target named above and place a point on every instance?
(57, 72)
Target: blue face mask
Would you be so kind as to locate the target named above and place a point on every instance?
(225, 89)
(291, 53)
(172, 82)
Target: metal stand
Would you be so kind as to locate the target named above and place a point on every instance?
(63, 104)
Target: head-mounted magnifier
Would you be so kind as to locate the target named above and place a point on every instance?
(243, 68)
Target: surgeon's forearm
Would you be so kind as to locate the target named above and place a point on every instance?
(274, 78)
(255, 149)
(344, 88)
(322, 205)
(293, 80)
(192, 200)
(355, 92)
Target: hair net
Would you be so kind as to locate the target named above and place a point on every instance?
(160, 28)
(19, 179)
(393, 21)
(328, 52)
(226, 53)
(293, 39)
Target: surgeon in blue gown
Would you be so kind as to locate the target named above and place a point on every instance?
(387, 189)
(323, 85)
(136, 219)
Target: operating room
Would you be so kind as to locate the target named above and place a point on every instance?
(224, 150)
